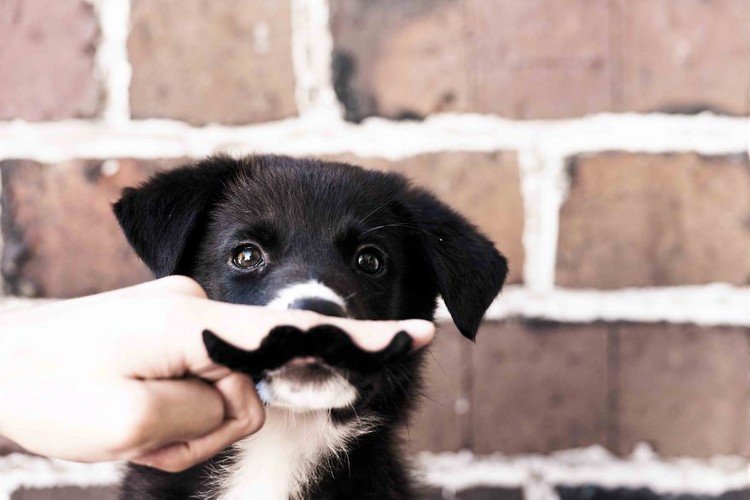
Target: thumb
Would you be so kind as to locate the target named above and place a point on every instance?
(243, 415)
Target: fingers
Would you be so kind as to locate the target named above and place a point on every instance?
(246, 326)
(178, 285)
(179, 410)
(243, 416)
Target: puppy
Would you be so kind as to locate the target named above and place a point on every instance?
(331, 238)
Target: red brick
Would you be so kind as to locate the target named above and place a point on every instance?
(47, 60)
(643, 220)
(686, 56)
(397, 58)
(66, 493)
(219, 61)
(442, 421)
(489, 493)
(60, 236)
(484, 187)
(534, 59)
(538, 387)
(684, 389)
(540, 58)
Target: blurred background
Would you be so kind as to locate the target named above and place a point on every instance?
(601, 144)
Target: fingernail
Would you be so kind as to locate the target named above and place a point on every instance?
(417, 327)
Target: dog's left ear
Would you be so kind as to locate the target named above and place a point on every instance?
(160, 217)
(468, 271)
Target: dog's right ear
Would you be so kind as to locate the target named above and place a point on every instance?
(159, 217)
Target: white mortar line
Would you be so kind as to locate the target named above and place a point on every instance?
(539, 474)
(536, 474)
(18, 470)
(653, 133)
(544, 186)
(707, 305)
(112, 63)
(312, 46)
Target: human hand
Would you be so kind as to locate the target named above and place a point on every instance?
(125, 374)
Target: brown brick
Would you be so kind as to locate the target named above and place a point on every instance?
(47, 60)
(396, 58)
(541, 59)
(442, 422)
(60, 236)
(639, 220)
(220, 61)
(539, 387)
(66, 493)
(484, 187)
(684, 389)
(686, 56)
(490, 493)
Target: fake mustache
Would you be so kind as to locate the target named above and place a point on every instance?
(327, 342)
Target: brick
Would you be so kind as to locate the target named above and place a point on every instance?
(219, 61)
(655, 220)
(598, 493)
(442, 422)
(61, 238)
(540, 59)
(397, 59)
(429, 493)
(474, 493)
(66, 493)
(484, 187)
(490, 493)
(539, 387)
(684, 389)
(686, 56)
(47, 60)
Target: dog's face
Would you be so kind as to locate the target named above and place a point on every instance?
(332, 238)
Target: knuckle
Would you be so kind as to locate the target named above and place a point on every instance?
(255, 419)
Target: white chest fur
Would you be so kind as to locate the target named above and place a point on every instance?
(280, 459)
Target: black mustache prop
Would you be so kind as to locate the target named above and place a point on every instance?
(327, 342)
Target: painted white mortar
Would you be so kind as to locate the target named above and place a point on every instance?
(24, 471)
(536, 474)
(112, 66)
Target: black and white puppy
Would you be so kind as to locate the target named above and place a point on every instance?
(328, 237)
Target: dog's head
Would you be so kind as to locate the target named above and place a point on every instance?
(332, 238)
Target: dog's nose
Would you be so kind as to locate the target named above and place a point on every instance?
(320, 306)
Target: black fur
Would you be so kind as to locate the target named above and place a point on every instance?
(310, 217)
(330, 344)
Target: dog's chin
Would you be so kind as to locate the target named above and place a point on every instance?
(306, 384)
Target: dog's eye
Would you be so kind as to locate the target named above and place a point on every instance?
(248, 257)
(369, 260)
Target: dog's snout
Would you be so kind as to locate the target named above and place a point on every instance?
(320, 306)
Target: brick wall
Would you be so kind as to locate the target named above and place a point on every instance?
(602, 144)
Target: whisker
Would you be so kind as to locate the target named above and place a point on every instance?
(404, 225)
(376, 210)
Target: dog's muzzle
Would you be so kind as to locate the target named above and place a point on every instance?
(320, 306)
(310, 296)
